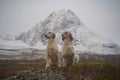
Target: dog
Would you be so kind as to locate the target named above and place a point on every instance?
(67, 49)
(52, 51)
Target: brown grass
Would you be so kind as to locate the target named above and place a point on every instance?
(11, 67)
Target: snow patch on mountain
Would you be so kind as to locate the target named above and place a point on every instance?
(12, 44)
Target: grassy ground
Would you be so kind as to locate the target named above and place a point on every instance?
(93, 71)
(79, 71)
(95, 67)
(11, 67)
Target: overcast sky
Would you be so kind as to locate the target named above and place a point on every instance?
(100, 16)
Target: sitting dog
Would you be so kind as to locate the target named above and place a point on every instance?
(67, 49)
(52, 51)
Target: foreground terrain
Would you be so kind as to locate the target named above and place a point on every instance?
(80, 71)
(10, 67)
(89, 67)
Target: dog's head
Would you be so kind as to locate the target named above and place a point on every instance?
(67, 35)
(50, 35)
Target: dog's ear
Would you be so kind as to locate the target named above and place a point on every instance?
(62, 37)
(71, 37)
(54, 36)
(46, 36)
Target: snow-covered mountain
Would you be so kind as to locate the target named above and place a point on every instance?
(66, 20)
(7, 37)
(18, 50)
(12, 44)
(32, 36)
(13, 47)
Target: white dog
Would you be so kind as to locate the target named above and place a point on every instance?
(52, 51)
(67, 49)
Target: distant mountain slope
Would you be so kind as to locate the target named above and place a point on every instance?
(18, 50)
(66, 20)
(12, 44)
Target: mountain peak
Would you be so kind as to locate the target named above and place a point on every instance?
(61, 19)
(63, 12)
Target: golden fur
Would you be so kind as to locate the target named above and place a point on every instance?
(67, 49)
(52, 51)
